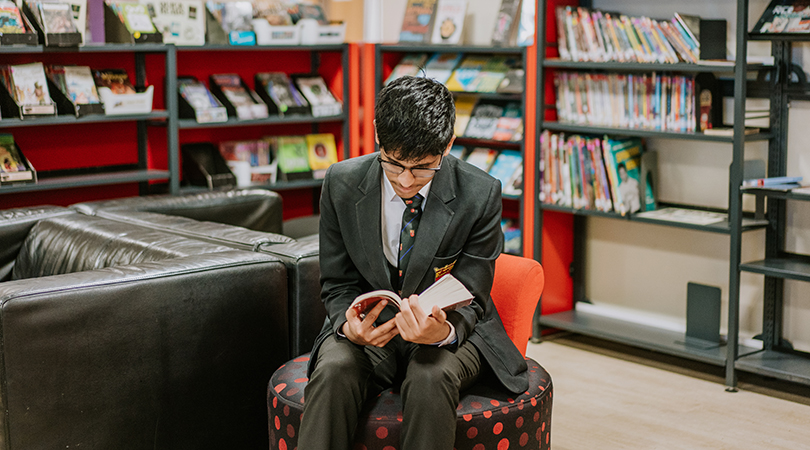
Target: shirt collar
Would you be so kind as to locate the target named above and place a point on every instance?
(390, 195)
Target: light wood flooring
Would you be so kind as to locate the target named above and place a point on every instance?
(608, 396)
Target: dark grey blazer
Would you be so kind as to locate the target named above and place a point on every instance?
(460, 230)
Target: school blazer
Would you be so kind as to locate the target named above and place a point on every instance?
(459, 232)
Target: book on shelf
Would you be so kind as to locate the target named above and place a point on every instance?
(206, 108)
(282, 94)
(512, 82)
(76, 82)
(648, 176)
(232, 91)
(506, 23)
(116, 80)
(275, 12)
(320, 98)
(484, 120)
(412, 64)
(623, 158)
(233, 16)
(441, 65)
(418, 20)
(465, 103)
(13, 165)
(292, 155)
(785, 16)
(508, 126)
(511, 237)
(28, 86)
(135, 17)
(11, 21)
(463, 77)
(525, 28)
(322, 153)
(684, 215)
(514, 184)
(308, 11)
(482, 158)
(256, 152)
(729, 131)
(449, 22)
(181, 22)
(56, 17)
(505, 165)
(447, 293)
(771, 181)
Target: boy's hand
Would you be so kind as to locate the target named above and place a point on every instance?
(416, 326)
(362, 331)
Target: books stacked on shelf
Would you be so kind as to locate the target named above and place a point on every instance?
(783, 17)
(464, 108)
(76, 82)
(510, 125)
(119, 95)
(593, 35)
(506, 23)
(249, 160)
(135, 17)
(238, 99)
(449, 22)
(321, 100)
(14, 168)
(774, 183)
(647, 101)
(440, 66)
(27, 85)
(480, 73)
(201, 104)
(418, 21)
(490, 119)
(508, 166)
(591, 173)
(280, 94)
(482, 158)
(511, 237)
(11, 21)
(182, 22)
(411, 64)
(484, 120)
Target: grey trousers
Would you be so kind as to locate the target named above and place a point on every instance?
(346, 374)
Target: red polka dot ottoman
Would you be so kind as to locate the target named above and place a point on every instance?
(488, 419)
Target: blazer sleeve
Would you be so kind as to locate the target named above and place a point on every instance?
(340, 278)
(475, 267)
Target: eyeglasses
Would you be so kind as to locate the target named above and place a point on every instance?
(417, 172)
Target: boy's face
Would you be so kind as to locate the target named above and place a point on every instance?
(405, 184)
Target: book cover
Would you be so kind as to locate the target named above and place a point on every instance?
(236, 16)
(482, 158)
(231, 86)
(625, 160)
(322, 152)
(449, 22)
(411, 64)
(281, 90)
(447, 293)
(315, 90)
(505, 166)
(30, 84)
(464, 76)
(11, 21)
(79, 85)
(492, 74)
(10, 158)
(292, 156)
(56, 17)
(310, 11)
(182, 22)
(526, 31)
(440, 66)
(505, 23)
(508, 124)
(484, 120)
(417, 21)
(512, 82)
(785, 16)
(464, 108)
(117, 80)
(197, 94)
(136, 18)
(648, 176)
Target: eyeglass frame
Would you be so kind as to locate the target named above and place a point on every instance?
(411, 169)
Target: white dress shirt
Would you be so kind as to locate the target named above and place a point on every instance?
(391, 221)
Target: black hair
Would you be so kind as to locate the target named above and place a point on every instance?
(415, 118)
(621, 166)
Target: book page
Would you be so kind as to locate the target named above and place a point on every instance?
(447, 293)
(366, 302)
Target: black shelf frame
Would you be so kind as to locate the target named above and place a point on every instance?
(187, 124)
(141, 174)
(381, 49)
(646, 67)
(641, 132)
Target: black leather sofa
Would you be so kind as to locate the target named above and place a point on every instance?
(306, 312)
(115, 336)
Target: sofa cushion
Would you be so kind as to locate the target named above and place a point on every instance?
(77, 243)
(14, 227)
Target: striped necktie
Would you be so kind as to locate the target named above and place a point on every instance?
(407, 235)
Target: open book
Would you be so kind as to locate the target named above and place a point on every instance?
(447, 293)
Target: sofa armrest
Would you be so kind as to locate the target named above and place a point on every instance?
(14, 227)
(255, 209)
(164, 354)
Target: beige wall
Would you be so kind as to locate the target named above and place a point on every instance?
(350, 12)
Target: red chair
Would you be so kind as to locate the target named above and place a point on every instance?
(487, 418)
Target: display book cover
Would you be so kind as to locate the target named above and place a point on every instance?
(196, 102)
(447, 293)
(14, 166)
(53, 23)
(418, 21)
(321, 153)
(240, 101)
(15, 28)
(321, 100)
(448, 24)
(25, 91)
(74, 90)
(181, 22)
(784, 17)
(230, 23)
(292, 155)
(412, 64)
(280, 94)
(129, 23)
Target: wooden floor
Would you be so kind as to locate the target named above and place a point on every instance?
(608, 396)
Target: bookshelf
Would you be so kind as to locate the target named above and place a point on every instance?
(61, 147)
(778, 358)
(387, 57)
(592, 321)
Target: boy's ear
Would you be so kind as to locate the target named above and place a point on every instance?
(376, 138)
(449, 146)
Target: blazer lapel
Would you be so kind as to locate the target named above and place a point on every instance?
(368, 208)
(432, 227)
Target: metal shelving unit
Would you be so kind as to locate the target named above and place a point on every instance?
(592, 323)
(99, 176)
